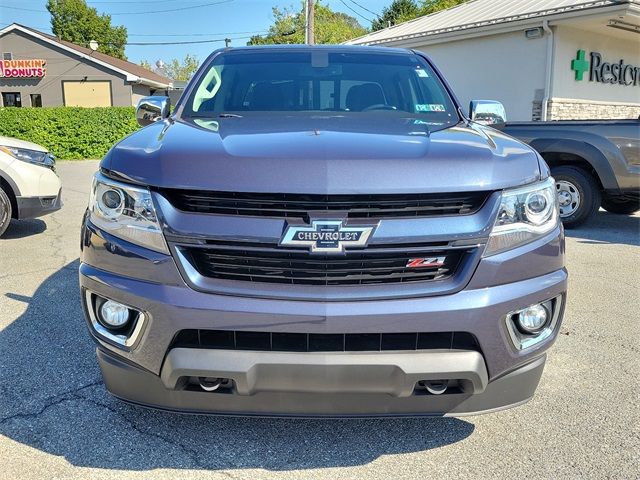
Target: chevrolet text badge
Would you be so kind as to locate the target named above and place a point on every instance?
(327, 236)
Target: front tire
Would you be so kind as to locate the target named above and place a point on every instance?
(578, 195)
(5, 211)
(621, 205)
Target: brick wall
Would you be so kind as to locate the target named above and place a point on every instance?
(581, 110)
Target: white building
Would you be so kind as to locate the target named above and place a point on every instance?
(545, 59)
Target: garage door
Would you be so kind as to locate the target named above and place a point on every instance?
(87, 94)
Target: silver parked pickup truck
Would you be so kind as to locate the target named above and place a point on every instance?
(321, 231)
(595, 163)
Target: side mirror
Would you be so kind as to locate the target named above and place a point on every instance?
(152, 109)
(487, 112)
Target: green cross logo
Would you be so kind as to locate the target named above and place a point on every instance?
(580, 65)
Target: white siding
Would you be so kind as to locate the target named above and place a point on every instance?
(505, 67)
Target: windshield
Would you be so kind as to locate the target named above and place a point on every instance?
(240, 82)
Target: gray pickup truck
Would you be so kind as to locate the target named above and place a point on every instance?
(322, 231)
(595, 163)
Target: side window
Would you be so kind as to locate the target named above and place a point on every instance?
(36, 100)
(11, 99)
(327, 95)
(273, 95)
(357, 96)
(345, 86)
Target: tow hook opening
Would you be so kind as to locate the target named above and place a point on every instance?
(206, 384)
(209, 384)
(447, 386)
(437, 387)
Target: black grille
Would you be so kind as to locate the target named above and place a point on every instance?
(287, 205)
(323, 342)
(279, 265)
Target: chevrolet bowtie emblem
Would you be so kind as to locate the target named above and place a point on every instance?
(327, 236)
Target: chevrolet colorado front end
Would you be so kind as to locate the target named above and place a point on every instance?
(320, 231)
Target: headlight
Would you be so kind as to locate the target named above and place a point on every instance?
(32, 156)
(525, 213)
(126, 212)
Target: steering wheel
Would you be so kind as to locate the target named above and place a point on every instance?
(379, 106)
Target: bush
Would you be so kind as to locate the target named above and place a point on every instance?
(69, 132)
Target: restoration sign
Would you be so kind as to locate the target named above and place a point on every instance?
(619, 72)
(22, 68)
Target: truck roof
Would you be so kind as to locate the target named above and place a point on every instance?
(330, 48)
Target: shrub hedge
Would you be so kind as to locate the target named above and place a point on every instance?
(69, 132)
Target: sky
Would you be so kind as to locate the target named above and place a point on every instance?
(186, 20)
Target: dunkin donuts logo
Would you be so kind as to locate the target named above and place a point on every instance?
(22, 68)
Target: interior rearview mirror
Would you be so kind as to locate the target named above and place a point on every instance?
(487, 112)
(152, 109)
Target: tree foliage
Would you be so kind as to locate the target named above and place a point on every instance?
(176, 69)
(182, 70)
(146, 64)
(404, 10)
(70, 132)
(433, 6)
(399, 11)
(330, 27)
(74, 21)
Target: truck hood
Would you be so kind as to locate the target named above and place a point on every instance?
(322, 154)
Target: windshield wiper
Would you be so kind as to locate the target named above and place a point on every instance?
(229, 115)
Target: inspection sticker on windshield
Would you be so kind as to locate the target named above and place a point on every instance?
(422, 73)
(429, 107)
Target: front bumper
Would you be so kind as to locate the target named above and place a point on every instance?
(495, 375)
(33, 207)
(136, 385)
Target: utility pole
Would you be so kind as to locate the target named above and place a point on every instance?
(309, 11)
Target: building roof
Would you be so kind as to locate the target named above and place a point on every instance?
(133, 72)
(482, 13)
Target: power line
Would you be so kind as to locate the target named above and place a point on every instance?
(193, 34)
(161, 35)
(130, 13)
(172, 9)
(365, 8)
(23, 9)
(356, 12)
(89, 2)
(189, 42)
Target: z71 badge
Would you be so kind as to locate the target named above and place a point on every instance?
(327, 236)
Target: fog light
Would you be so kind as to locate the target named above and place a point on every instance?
(114, 314)
(533, 318)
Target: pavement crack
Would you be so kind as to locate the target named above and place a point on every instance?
(193, 454)
(75, 395)
(51, 402)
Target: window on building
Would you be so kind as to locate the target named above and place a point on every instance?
(7, 56)
(86, 93)
(11, 99)
(36, 100)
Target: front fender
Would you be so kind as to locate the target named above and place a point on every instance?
(605, 158)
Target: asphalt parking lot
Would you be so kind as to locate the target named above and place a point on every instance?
(57, 421)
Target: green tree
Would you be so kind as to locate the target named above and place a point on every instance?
(146, 64)
(177, 69)
(404, 10)
(432, 6)
(182, 70)
(399, 11)
(330, 27)
(74, 21)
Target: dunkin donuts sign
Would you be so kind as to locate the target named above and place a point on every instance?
(22, 68)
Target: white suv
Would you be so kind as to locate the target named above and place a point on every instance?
(29, 185)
